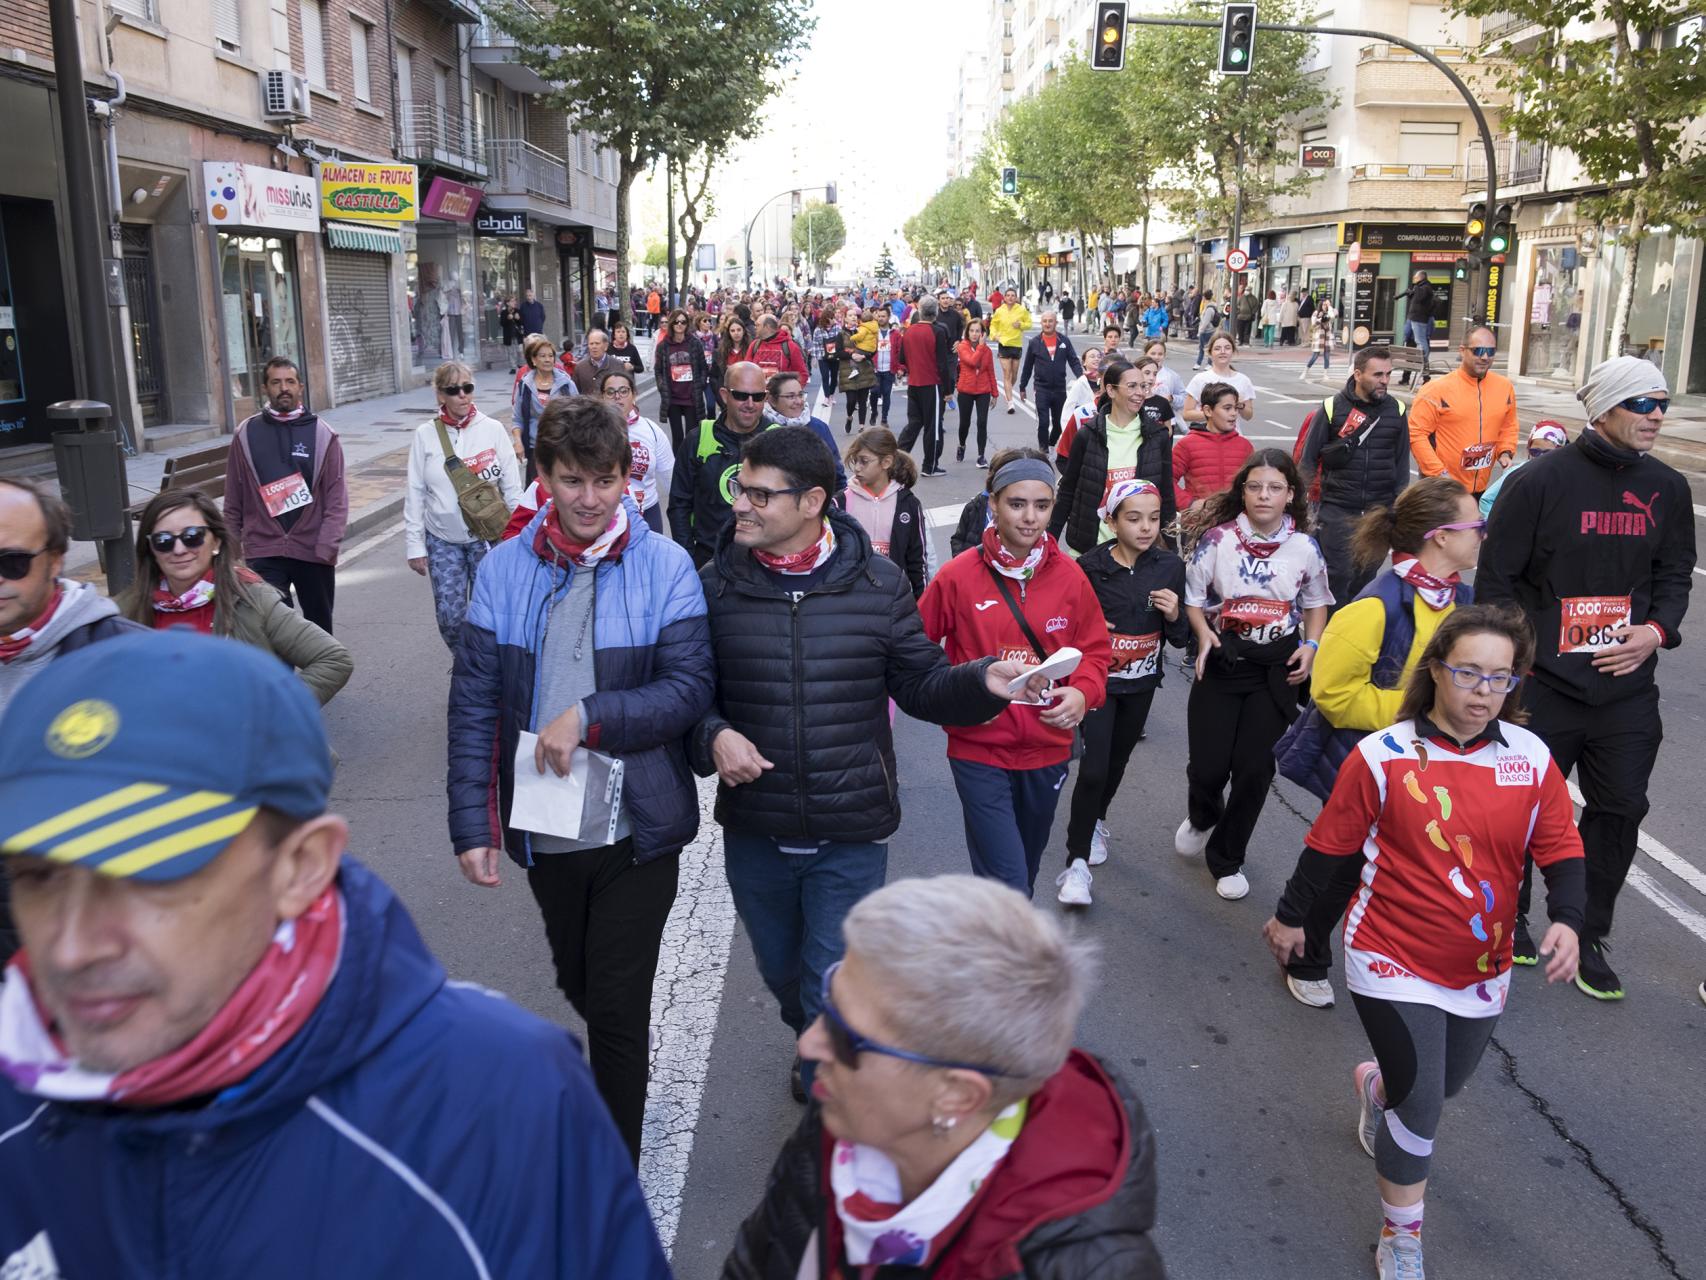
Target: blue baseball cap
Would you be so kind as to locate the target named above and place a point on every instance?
(143, 756)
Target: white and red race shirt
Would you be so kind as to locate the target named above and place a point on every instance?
(1444, 830)
(1260, 597)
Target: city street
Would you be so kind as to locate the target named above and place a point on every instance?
(1574, 1152)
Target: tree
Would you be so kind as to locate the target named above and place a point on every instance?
(655, 78)
(885, 264)
(1625, 102)
(656, 255)
(819, 231)
(693, 178)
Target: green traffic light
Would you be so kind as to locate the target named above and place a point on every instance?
(1237, 55)
(1498, 244)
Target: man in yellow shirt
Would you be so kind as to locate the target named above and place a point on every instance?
(1463, 423)
(1007, 325)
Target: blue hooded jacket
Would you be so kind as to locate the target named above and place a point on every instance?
(652, 658)
(412, 1127)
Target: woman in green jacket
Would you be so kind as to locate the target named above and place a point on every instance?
(189, 573)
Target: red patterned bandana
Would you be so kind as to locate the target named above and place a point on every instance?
(554, 546)
(464, 420)
(14, 645)
(1261, 548)
(1006, 563)
(1438, 592)
(800, 562)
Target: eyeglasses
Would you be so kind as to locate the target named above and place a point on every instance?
(1486, 353)
(457, 389)
(1259, 488)
(849, 1044)
(1644, 405)
(1470, 678)
(15, 564)
(616, 390)
(791, 395)
(192, 537)
(760, 497)
(1480, 527)
(746, 397)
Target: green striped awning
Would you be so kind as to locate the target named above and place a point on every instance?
(348, 235)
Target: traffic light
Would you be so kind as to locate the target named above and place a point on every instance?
(1237, 35)
(1499, 238)
(829, 193)
(1009, 181)
(1460, 269)
(1110, 36)
(1474, 226)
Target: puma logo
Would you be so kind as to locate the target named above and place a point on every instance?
(981, 605)
(1647, 506)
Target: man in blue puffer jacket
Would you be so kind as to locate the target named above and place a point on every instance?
(589, 630)
(224, 1050)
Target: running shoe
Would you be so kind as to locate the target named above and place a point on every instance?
(1099, 844)
(960, 454)
(939, 471)
(1074, 884)
(1232, 887)
(1523, 950)
(1595, 976)
(1369, 1107)
(1317, 993)
(1701, 992)
(1188, 841)
(1399, 1258)
(1010, 409)
(981, 460)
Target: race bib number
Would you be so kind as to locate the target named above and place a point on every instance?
(770, 367)
(1354, 422)
(1134, 656)
(881, 548)
(287, 493)
(483, 464)
(1256, 618)
(1477, 457)
(681, 371)
(1585, 623)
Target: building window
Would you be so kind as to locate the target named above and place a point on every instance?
(1316, 135)
(141, 9)
(1427, 142)
(314, 42)
(359, 34)
(227, 26)
(441, 98)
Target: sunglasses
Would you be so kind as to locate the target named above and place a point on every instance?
(848, 1044)
(458, 389)
(1480, 527)
(1644, 405)
(192, 538)
(746, 396)
(1486, 353)
(15, 564)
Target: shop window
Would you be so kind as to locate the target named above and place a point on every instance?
(440, 275)
(503, 274)
(1554, 314)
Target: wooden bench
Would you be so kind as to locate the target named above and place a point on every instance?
(201, 469)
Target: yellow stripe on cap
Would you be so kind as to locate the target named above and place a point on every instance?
(148, 820)
(30, 838)
(155, 852)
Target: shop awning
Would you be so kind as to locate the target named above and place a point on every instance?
(347, 235)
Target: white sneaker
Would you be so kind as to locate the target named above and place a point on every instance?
(1370, 1110)
(1099, 844)
(1074, 884)
(1188, 842)
(1232, 887)
(1316, 994)
(1399, 1258)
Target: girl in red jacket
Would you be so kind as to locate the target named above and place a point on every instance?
(1205, 461)
(976, 387)
(1017, 595)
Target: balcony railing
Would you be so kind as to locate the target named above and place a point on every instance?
(1408, 172)
(520, 168)
(1497, 26)
(438, 135)
(1520, 163)
(1398, 53)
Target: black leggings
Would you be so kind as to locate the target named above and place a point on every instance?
(1111, 731)
(681, 420)
(979, 402)
(1233, 721)
(860, 402)
(1426, 1055)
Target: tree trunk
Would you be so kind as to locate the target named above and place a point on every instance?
(1143, 249)
(628, 169)
(1619, 327)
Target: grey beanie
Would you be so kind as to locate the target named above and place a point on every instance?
(1615, 380)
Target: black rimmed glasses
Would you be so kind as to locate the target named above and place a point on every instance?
(848, 1044)
(760, 497)
(1471, 678)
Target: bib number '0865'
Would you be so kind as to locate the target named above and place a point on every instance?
(1586, 623)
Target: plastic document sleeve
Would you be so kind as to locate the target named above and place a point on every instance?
(583, 806)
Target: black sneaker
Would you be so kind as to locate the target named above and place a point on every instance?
(1595, 976)
(1523, 950)
(797, 1082)
(983, 462)
(935, 472)
(960, 454)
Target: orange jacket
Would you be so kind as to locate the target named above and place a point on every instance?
(1460, 427)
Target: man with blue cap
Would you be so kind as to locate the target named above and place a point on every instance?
(224, 1049)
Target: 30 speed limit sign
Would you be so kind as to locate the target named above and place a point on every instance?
(1237, 260)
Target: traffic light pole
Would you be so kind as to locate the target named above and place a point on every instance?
(755, 217)
(1478, 267)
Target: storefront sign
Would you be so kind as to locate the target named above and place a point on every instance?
(450, 201)
(1320, 259)
(369, 192)
(247, 195)
(1318, 156)
(500, 222)
(1495, 285)
(1435, 256)
(1411, 237)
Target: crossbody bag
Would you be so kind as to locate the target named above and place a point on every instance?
(484, 512)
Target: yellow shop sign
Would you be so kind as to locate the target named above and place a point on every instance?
(369, 192)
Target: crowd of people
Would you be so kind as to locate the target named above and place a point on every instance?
(739, 591)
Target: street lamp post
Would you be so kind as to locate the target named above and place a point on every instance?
(828, 189)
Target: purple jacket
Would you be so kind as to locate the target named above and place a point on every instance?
(318, 531)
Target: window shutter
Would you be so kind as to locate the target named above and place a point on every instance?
(314, 42)
(227, 25)
(358, 60)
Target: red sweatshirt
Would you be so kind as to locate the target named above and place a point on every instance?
(977, 369)
(963, 609)
(1205, 461)
(780, 354)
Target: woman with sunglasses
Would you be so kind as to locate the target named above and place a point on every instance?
(679, 361)
(946, 1090)
(437, 540)
(190, 573)
(1368, 651)
(1444, 804)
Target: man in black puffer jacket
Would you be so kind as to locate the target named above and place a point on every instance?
(813, 633)
(1359, 440)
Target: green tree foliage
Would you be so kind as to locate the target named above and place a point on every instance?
(655, 255)
(818, 233)
(1622, 85)
(656, 78)
(885, 264)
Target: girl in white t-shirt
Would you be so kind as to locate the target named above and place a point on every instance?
(654, 461)
(1256, 596)
(1219, 370)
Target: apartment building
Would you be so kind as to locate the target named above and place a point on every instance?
(353, 185)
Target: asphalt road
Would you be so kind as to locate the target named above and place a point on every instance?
(1576, 1150)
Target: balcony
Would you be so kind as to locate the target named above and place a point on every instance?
(429, 134)
(1521, 164)
(1497, 27)
(1051, 30)
(1389, 75)
(462, 12)
(1407, 172)
(1006, 44)
(494, 52)
(520, 168)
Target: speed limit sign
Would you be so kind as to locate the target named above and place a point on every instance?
(1237, 260)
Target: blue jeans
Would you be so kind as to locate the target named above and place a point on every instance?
(1419, 333)
(1009, 814)
(792, 905)
(881, 394)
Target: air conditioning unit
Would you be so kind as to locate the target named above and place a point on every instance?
(284, 96)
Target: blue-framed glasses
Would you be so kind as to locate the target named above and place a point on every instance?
(1644, 405)
(1470, 678)
(849, 1044)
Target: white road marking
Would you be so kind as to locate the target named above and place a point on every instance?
(1660, 853)
(1648, 888)
(686, 998)
(943, 517)
(1699, 510)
